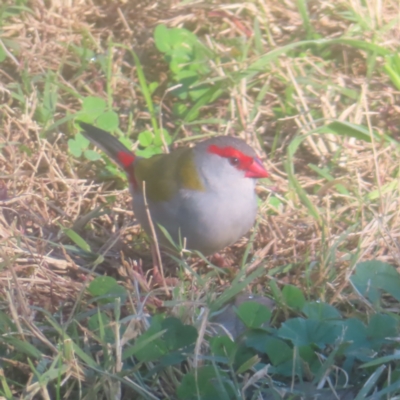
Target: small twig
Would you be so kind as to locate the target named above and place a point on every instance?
(9, 54)
(153, 233)
(124, 21)
(200, 339)
(160, 122)
(24, 309)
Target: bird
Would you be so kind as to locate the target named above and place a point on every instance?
(203, 196)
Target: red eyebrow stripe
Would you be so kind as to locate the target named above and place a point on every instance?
(126, 159)
(228, 152)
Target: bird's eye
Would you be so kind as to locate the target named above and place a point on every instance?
(233, 161)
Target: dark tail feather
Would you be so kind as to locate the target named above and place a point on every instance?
(109, 144)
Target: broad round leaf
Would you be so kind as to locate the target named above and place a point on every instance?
(108, 121)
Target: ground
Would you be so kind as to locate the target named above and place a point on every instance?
(323, 116)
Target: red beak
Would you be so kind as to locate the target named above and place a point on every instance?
(256, 169)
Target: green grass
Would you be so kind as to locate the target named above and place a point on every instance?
(313, 87)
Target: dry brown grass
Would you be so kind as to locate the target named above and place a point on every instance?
(44, 188)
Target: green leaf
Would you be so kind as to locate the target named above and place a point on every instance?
(223, 346)
(325, 174)
(85, 357)
(162, 38)
(108, 121)
(74, 148)
(145, 138)
(373, 277)
(91, 155)
(22, 346)
(304, 332)
(304, 13)
(253, 314)
(150, 346)
(382, 360)
(370, 384)
(163, 134)
(145, 90)
(211, 95)
(320, 311)
(77, 239)
(258, 340)
(182, 39)
(83, 52)
(153, 86)
(381, 327)
(205, 383)
(99, 324)
(350, 130)
(6, 324)
(95, 106)
(389, 187)
(359, 132)
(278, 351)
(248, 364)
(393, 75)
(174, 358)
(266, 59)
(289, 167)
(355, 332)
(147, 347)
(237, 286)
(179, 109)
(392, 68)
(82, 141)
(244, 358)
(177, 334)
(149, 151)
(106, 286)
(293, 297)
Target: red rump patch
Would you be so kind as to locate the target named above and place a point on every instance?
(244, 162)
(126, 159)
